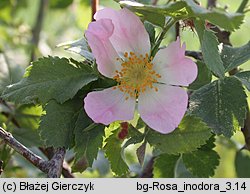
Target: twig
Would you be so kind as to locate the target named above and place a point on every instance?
(25, 152)
(211, 3)
(38, 27)
(177, 30)
(49, 152)
(1, 167)
(95, 7)
(56, 163)
(196, 55)
(52, 168)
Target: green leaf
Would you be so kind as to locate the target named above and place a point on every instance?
(156, 19)
(164, 166)
(181, 171)
(134, 136)
(156, 14)
(221, 104)
(88, 138)
(211, 54)
(233, 57)
(28, 118)
(151, 32)
(57, 125)
(242, 164)
(228, 21)
(190, 135)
(27, 137)
(113, 152)
(80, 47)
(200, 28)
(202, 162)
(50, 78)
(244, 77)
(9, 73)
(187, 9)
(204, 76)
(176, 10)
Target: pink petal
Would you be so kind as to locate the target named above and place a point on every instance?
(129, 32)
(98, 34)
(109, 105)
(173, 66)
(163, 110)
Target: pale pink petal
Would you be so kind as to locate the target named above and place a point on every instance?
(173, 66)
(98, 34)
(129, 32)
(163, 110)
(109, 105)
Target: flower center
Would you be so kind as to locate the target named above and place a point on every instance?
(136, 75)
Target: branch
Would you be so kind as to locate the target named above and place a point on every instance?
(56, 163)
(95, 7)
(25, 152)
(52, 168)
(196, 55)
(1, 167)
(49, 152)
(211, 3)
(177, 30)
(38, 27)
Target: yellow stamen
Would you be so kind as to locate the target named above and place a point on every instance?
(136, 75)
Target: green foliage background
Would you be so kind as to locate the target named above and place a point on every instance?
(66, 21)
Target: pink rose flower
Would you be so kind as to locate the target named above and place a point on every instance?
(121, 46)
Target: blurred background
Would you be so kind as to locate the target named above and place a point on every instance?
(30, 29)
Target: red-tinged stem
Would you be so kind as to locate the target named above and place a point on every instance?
(95, 7)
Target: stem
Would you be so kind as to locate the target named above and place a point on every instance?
(196, 55)
(49, 153)
(52, 168)
(211, 3)
(242, 6)
(25, 152)
(95, 7)
(177, 30)
(37, 28)
(1, 167)
(168, 25)
(56, 163)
